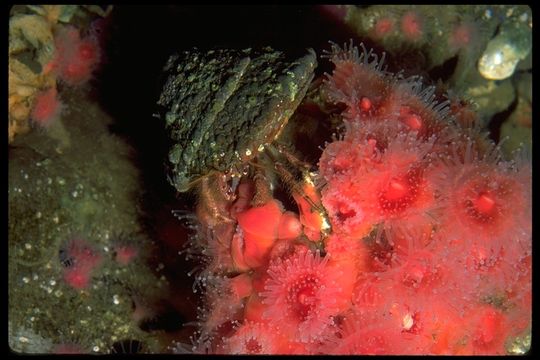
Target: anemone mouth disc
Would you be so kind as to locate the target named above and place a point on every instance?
(485, 204)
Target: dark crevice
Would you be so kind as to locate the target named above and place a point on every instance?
(498, 119)
(168, 320)
(444, 71)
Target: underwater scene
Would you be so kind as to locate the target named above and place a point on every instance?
(317, 179)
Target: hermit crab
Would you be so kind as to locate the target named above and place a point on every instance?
(223, 111)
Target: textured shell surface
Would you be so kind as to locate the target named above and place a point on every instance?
(221, 107)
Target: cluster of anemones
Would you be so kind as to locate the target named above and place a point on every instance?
(273, 291)
(75, 59)
(445, 221)
(415, 238)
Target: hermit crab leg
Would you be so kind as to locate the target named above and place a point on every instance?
(295, 175)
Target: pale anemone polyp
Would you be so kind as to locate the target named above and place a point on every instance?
(407, 322)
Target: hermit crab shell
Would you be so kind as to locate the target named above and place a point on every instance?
(221, 107)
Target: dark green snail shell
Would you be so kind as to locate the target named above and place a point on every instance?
(221, 107)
